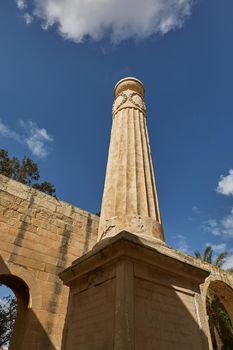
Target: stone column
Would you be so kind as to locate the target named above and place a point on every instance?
(130, 200)
(131, 293)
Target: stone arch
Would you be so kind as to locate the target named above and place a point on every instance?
(21, 291)
(221, 289)
(35, 295)
(29, 299)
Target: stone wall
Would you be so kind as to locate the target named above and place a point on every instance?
(39, 237)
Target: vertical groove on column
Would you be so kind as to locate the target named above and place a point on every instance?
(131, 202)
(109, 182)
(137, 186)
(149, 181)
(144, 163)
(155, 196)
(147, 171)
(117, 159)
(122, 167)
(127, 165)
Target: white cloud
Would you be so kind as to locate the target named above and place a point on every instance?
(227, 224)
(225, 185)
(116, 19)
(28, 18)
(195, 210)
(228, 263)
(21, 4)
(217, 248)
(222, 227)
(182, 244)
(36, 139)
(212, 226)
(5, 131)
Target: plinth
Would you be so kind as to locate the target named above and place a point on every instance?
(127, 294)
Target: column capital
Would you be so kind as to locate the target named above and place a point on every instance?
(129, 93)
(129, 83)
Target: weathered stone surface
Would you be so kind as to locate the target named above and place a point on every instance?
(158, 294)
(155, 297)
(130, 200)
(39, 237)
(132, 291)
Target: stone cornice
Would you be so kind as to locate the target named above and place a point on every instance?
(128, 246)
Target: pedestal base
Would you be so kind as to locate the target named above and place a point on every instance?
(126, 295)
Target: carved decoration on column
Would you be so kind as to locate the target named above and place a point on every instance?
(130, 200)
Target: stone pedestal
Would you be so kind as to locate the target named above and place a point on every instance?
(133, 292)
(127, 294)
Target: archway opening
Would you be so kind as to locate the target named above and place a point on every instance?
(13, 311)
(8, 314)
(219, 307)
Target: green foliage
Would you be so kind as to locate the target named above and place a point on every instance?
(220, 324)
(25, 171)
(221, 258)
(208, 257)
(45, 187)
(8, 313)
(219, 321)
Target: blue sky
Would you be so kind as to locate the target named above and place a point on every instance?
(59, 62)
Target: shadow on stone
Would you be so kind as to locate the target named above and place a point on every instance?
(28, 332)
(125, 294)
